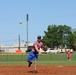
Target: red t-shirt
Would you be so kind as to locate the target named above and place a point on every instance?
(38, 44)
(68, 54)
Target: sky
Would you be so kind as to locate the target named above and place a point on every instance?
(41, 13)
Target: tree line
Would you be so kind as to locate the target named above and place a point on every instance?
(60, 36)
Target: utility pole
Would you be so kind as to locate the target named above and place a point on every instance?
(19, 42)
(27, 29)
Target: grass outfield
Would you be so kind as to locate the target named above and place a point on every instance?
(44, 59)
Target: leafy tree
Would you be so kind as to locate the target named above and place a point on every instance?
(50, 37)
(61, 35)
(72, 40)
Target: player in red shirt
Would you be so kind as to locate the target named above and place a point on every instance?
(69, 55)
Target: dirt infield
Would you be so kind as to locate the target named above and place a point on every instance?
(42, 70)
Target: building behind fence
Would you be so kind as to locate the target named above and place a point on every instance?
(14, 47)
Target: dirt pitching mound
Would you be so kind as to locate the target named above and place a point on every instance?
(42, 70)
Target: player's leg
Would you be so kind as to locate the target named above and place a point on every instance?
(69, 58)
(35, 63)
(30, 62)
(29, 59)
(35, 68)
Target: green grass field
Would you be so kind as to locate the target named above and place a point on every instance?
(44, 59)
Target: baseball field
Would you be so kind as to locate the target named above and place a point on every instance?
(48, 64)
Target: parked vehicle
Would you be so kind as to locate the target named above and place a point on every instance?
(51, 50)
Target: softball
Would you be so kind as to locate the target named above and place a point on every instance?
(20, 22)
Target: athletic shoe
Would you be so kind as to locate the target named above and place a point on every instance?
(34, 71)
(29, 64)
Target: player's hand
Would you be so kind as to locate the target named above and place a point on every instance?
(39, 52)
